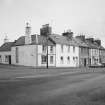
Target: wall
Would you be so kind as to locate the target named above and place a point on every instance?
(84, 56)
(65, 54)
(40, 53)
(94, 54)
(26, 55)
(3, 54)
(102, 56)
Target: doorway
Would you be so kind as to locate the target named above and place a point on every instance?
(9, 59)
(85, 62)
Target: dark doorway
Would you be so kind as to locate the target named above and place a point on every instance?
(85, 62)
(9, 59)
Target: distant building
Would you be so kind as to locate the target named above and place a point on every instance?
(83, 51)
(5, 53)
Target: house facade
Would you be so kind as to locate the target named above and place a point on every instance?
(35, 50)
(83, 51)
(5, 53)
(52, 50)
(93, 52)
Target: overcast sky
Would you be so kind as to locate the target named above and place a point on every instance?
(81, 16)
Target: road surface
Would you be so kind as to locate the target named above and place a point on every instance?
(63, 89)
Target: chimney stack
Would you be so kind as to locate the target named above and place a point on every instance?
(81, 37)
(91, 40)
(98, 42)
(68, 34)
(46, 30)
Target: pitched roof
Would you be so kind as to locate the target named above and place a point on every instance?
(63, 40)
(20, 41)
(81, 43)
(41, 40)
(53, 39)
(6, 46)
(92, 45)
(101, 48)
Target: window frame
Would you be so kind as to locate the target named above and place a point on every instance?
(51, 49)
(51, 59)
(43, 59)
(73, 49)
(61, 59)
(62, 47)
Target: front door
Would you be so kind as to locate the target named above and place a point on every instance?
(85, 62)
(9, 59)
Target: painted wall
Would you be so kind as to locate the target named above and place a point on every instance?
(84, 56)
(27, 55)
(94, 56)
(41, 53)
(65, 54)
(3, 59)
(102, 56)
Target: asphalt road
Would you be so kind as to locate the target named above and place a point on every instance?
(63, 89)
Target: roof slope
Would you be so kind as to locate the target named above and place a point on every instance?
(81, 43)
(41, 40)
(20, 41)
(53, 39)
(6, 46)
(63, 40)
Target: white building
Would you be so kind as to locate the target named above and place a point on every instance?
(31, 50)
(50, 50)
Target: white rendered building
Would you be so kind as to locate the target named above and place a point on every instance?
(31, 50)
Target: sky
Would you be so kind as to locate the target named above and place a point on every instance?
(81, 16)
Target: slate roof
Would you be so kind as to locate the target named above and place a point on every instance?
(88, 44)
(41, 40)
(101, 48)
(81, 43)
(63, 40)
(53, 39)
(20, 41)
(6, 46)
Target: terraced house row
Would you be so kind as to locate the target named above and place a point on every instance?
(52, 50)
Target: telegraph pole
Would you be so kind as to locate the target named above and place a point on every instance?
(47, 52)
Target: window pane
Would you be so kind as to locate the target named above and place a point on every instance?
(61, 60)
(51, 59)
(44, 59)
(51, 49)
(61, 48)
